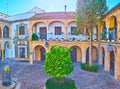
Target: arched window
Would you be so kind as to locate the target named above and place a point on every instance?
(6, 32)
(21, 30)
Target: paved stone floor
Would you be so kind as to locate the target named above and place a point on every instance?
(34, 77)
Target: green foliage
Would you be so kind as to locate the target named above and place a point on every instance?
(89, 13)
(104, 33)
(58, 62)
(53, 83)
(34, 37)
(92, 68)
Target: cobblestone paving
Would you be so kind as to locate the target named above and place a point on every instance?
(34, 77)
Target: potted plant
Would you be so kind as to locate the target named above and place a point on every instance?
(70, 39)
(73, 38)
(113, 40)
(107, 39)
(50, 39)
(62, 39)
(119, 39)
(95, 39)
(57, 39)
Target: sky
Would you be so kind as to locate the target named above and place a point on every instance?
(13, 7)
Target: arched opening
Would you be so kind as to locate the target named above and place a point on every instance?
(94, 55)
(39, 53)
(76, 54)
(7, 53)
(95, 33)
(104, 31)
(72, 31)
(56, 30)
(40, 30)
(6, 32)
(113, 28)
(103, 56)
(112, 62)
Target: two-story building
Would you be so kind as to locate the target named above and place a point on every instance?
(59, 28)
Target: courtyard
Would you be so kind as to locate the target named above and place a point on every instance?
(34, 77)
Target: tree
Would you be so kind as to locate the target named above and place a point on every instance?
(88, 14)
(58, 62)
(34, 37)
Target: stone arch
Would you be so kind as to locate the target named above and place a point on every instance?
(56, 29)
(76, 54)
(72, 28)
(40, 29)
(112, 62)
(38, 53)
(6, 32)
(113, 28)
(94, 55)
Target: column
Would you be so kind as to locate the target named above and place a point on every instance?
(107, 31)
(118, 30)
(66, 32)
(30, 30)
(107, 60)
(78, 55)
(31, 54)
(3, 53)
(117, 64)
(83, 55)
(101, 56)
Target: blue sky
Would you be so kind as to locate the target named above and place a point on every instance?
(22, 6)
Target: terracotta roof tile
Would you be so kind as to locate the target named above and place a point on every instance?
(48, 15)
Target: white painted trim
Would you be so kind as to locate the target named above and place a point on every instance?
(25, 50)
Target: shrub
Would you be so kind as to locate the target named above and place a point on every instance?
(58, 62)
(92, 68)
(34, 37)
(53, 83)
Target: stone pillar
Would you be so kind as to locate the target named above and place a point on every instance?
(107, 31)
(118, 30)
(66, 32)
(31, 60)
(101, 56)
(30, 29)
(117, 64)
(3, 53)
(78, 55)
(31, 54)
(107, 60)
(83, 55)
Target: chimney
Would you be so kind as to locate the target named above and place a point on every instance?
(65, 7)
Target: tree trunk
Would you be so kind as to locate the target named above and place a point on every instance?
(60, 81)
(90, 46)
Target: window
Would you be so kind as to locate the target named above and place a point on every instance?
(6, 32)
(21, 30)
(74, 31)
(58, 30)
